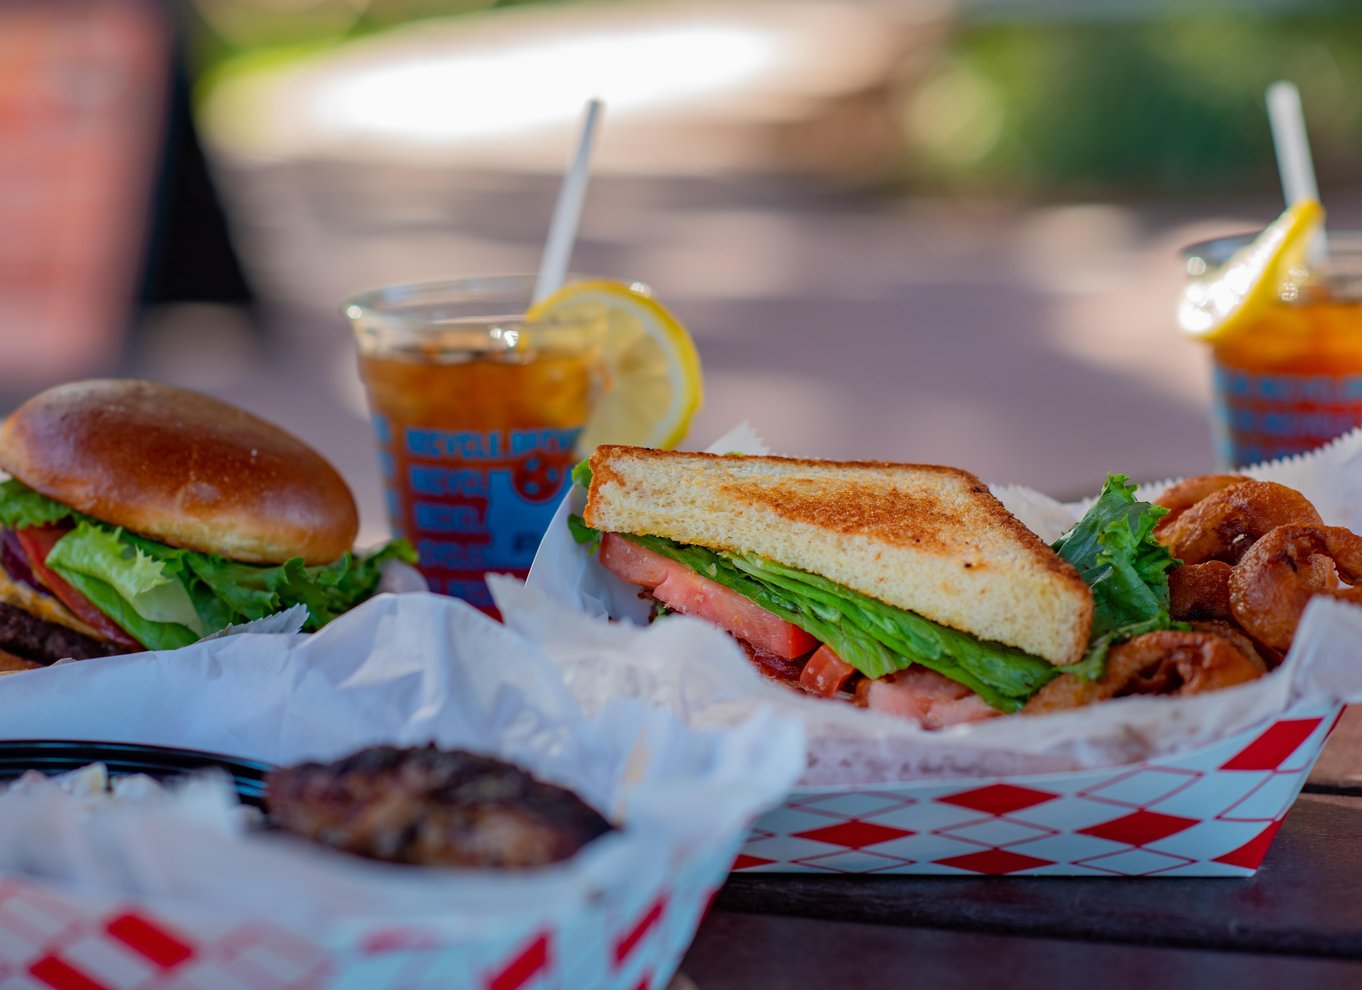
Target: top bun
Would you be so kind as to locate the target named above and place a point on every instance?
(181, 468)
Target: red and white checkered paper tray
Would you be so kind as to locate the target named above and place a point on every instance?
(1142, 786)
(173, 891)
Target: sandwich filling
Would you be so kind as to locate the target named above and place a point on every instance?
(114, 587)
(834, 639)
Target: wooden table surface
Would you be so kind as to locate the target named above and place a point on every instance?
(1296, 922)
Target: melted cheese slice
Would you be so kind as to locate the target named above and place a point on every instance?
(11, 664)
(43, 606)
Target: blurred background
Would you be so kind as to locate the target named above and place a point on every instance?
(901, 229)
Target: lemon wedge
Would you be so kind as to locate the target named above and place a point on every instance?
(652, 382)
(1219, 307)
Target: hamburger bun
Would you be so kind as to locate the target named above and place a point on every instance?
(182, 468)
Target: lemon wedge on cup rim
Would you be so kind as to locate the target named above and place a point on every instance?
(653, 385)
(1220, 306)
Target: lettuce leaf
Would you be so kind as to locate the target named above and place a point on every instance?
(875, 638)
(581, 473)
(582, 533)
(327, 590)
(167, 597)
(1114, 549)
(152, 635)
(137, 578)
(21, 507)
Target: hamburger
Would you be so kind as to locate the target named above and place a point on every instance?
(139, 516)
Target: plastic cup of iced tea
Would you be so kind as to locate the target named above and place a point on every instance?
(476, 412)
(1291, 379)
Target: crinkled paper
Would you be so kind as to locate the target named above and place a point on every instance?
(405, 669)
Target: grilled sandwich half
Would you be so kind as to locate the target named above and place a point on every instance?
(889, 566)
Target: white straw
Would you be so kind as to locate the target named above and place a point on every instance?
(1294, 163)
(568, 210)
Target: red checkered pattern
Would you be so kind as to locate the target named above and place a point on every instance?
(522, 968)
(1211, 812)
(632, 939)
(54, 940)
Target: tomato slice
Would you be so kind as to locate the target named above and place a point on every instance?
(631, 563)
(826, 673)
(683, 590)
(37, 542)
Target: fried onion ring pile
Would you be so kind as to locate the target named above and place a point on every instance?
(1252, 554)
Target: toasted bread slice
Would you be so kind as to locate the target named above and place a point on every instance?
(931, 540)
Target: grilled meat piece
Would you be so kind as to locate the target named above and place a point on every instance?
(31, 638)
(431, 807)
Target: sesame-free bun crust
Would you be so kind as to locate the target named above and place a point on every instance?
(932, 540)
(181, 468)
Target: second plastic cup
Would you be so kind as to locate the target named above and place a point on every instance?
(476, 412)
(1292, 380)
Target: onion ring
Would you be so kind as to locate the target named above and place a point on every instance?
(1224, 525)
(1200, 591)
(1260, 656)
(1271, 585)
(1167, 662)
(1189, 491)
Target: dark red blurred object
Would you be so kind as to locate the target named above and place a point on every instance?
(82, 111)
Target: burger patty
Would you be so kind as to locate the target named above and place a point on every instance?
(432, 807)
(25, 635)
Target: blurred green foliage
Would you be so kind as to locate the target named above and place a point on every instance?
(1171, 101)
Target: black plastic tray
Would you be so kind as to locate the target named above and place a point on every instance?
(55, 756)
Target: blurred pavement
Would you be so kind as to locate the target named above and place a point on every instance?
(1027, 344)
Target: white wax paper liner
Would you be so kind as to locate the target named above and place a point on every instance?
(404, 669)
(708, 681)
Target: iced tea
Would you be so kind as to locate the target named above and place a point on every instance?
(477, 418)
(1292, 380)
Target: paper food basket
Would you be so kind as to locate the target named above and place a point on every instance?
(1209, 812)
(1138, 787)
(175, 892)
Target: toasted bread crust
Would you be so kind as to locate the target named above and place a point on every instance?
(182, 468)
(925, 538)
